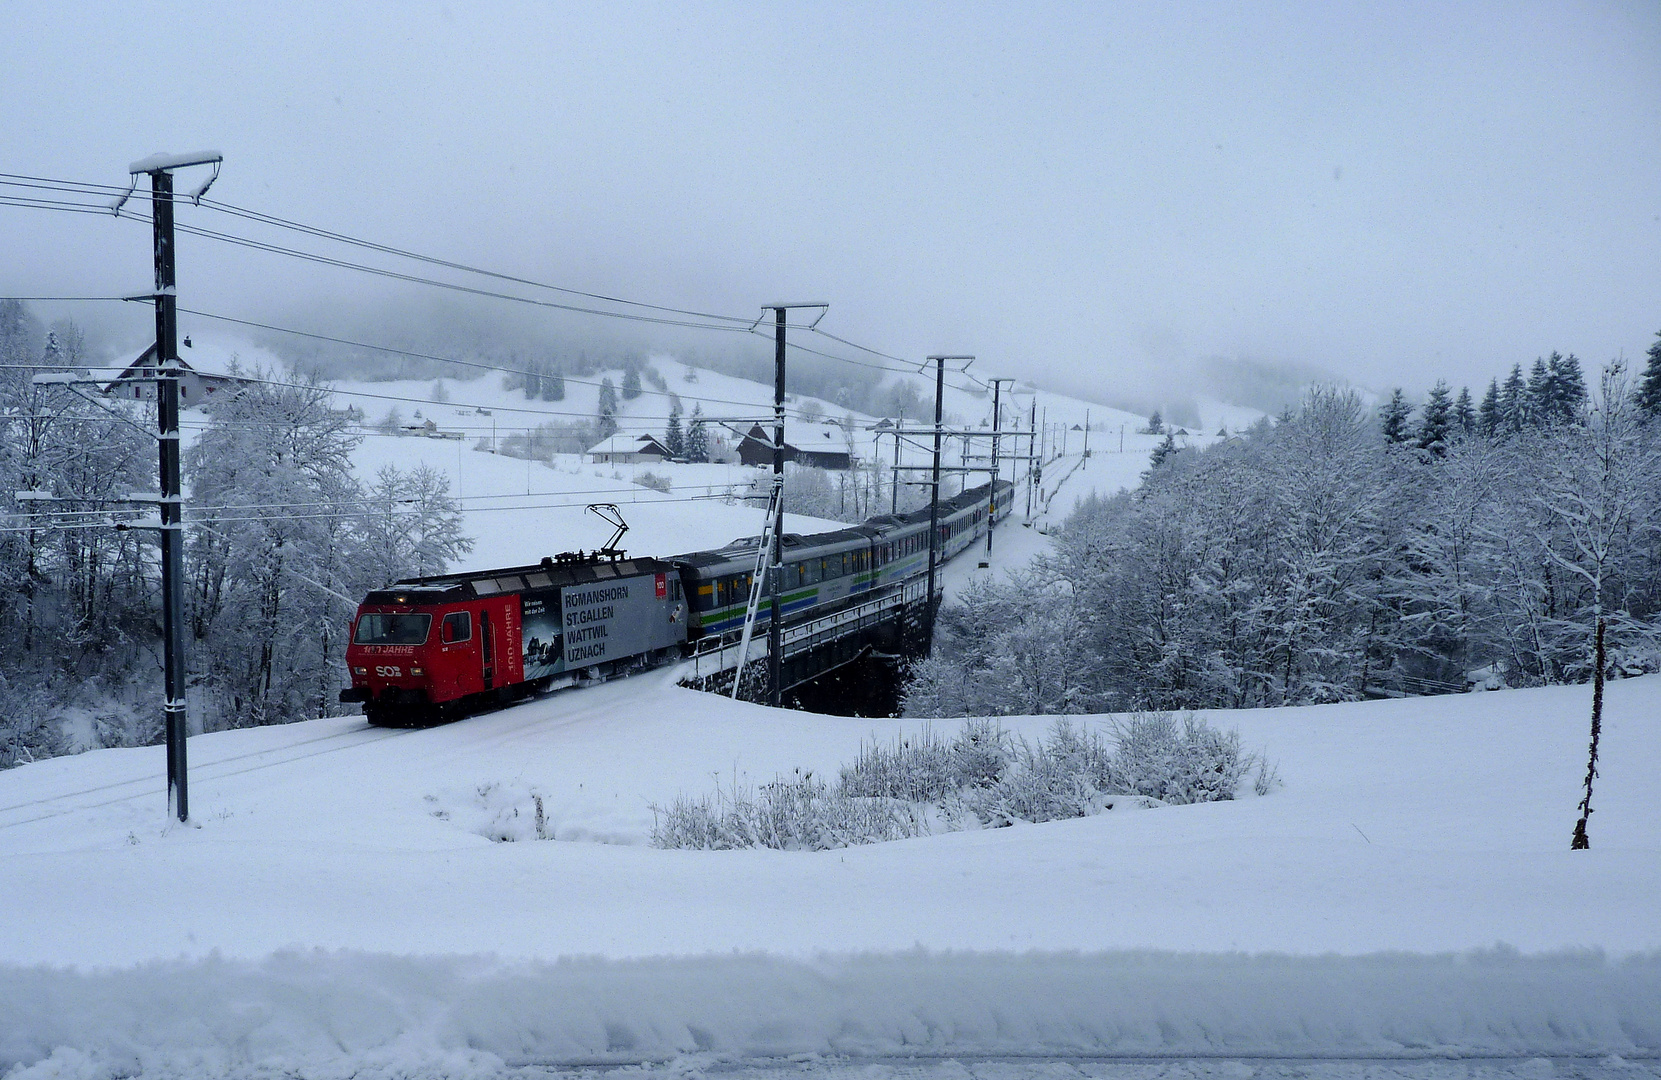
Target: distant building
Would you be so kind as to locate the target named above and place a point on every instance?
(196, 387)
(824, 446)
(628, 450)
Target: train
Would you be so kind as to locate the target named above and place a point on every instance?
(427, 649)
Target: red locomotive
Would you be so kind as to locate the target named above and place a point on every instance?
(427, 649)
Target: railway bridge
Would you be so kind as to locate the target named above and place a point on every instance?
(892, 622)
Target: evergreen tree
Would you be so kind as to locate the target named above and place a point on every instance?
(697, 437)
(1488, 416)
(1463, 413)
(1568, 387)
(1436, 421)
(1647, 395)
(1514, 401)
(1163, 451)
(1393, 418)
(608, 409)
(1156, 423)
(1537, 403)
(674, 438)
(553, 385)
(631, 382)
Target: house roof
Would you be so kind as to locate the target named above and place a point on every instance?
(805, 437)
(630, 444)
(208, 364)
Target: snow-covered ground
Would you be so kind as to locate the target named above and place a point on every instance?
(1407, 834)
(350, 901)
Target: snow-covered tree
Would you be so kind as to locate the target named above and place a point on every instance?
(1393, 416)
(674, 436)
(1647, 394)
(606, 420)
(1162, 453)
(1464, 413)
(273, 552)
(1514, 403)
(1436, 421)
(1489, 417)
(697, 437)
(411, 527)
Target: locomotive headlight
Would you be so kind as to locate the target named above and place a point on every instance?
(360, 671)
(414, 670)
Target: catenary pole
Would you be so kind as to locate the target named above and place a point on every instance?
(775, 572)
(894, 488)
(934, 486)
(160, 170)
(992, 485)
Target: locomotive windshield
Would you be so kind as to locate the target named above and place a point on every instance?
(392, 629)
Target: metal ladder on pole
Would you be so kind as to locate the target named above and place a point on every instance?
(757, 579)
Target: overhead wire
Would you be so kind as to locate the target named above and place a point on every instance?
(313, 230)
(353, 514)
(732, 323)
(198, 508)
(475, 364)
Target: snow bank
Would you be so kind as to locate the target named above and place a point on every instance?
(320, 1012)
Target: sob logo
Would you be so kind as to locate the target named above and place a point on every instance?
(388, 671)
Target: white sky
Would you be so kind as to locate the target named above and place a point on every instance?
(1088, 194)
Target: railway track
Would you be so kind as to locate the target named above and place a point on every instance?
(28, 811)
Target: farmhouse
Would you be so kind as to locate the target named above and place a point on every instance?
(628, 450)
(196, 386)
(824, 446)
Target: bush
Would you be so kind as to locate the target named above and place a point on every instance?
(797, 813)
(981, 778)
(1196, 763)
(654, 481)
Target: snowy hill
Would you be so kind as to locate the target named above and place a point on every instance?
(518, 510)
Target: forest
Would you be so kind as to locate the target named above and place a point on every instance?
(1338, 553)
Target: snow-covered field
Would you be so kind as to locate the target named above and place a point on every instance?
(358, 902)
(344, 892)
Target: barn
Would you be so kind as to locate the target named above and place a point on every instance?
(824, 446)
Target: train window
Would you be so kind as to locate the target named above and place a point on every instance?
(539, 581)
(458, 626)
(375, 629)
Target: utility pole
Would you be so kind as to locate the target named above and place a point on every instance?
(775, 572)
(1086, 432)
(894, 491)
(992, 485)
(1034, 455)
(934, 487)
(160, 170)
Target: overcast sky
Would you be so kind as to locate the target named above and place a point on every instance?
(1094, 195)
